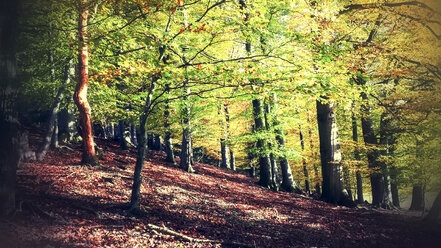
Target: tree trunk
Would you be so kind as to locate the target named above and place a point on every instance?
(9, 83)
(288, 183)
(330, 154)
(168, 146)
(305, 169)
(122, 135)
(232, 160)
(115, 132)
(186, 162)
(150, 140)
(68, 124)
(314, 165)
(385, 141)
(157, 146)
(358, 177)
(417, 198)
(141, 152)
(395, 196)
(264, 160)
(54, 141)
(435, 210)
(133, 139)
(225, 162)
(80, 95)
(371, 142)
(51, 136)
(273, 160)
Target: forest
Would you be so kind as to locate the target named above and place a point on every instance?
(220, 123)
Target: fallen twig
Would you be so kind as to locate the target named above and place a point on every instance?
(196, 240)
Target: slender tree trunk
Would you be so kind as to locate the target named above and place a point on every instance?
(52, 124)
(227, 119)
(80, 95)
(305, 169)
(435, 210)
(167, 138)
(133, 139)
(109, 131)
(157, 143)
(116, 135)
(273, 160)
(225, 162)
(332, 187)
(288, 183)
(385, 140)
(232, 160)
(141, 152)
(186, 162)
(314, 165)
(358, 177)
(122, 135)
(54, 141)
(150, 140)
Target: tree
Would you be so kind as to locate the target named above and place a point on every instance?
(265, 179)
(9, 143)
(330, 154)
(80, 95)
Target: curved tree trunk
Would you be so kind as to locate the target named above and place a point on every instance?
(80, 95)
(330, 154)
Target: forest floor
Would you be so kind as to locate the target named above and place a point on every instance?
(65, 204)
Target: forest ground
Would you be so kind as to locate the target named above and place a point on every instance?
(65, 204)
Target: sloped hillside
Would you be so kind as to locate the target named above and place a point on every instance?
(64, 204)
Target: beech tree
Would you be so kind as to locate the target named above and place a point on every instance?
(80, 95)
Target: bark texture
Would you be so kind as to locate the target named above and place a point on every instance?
(330, 154)
(186, 162)
(80, 95)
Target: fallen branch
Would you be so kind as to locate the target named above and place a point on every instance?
(196, 240)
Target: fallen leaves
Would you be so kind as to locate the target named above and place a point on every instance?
(213, 204)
